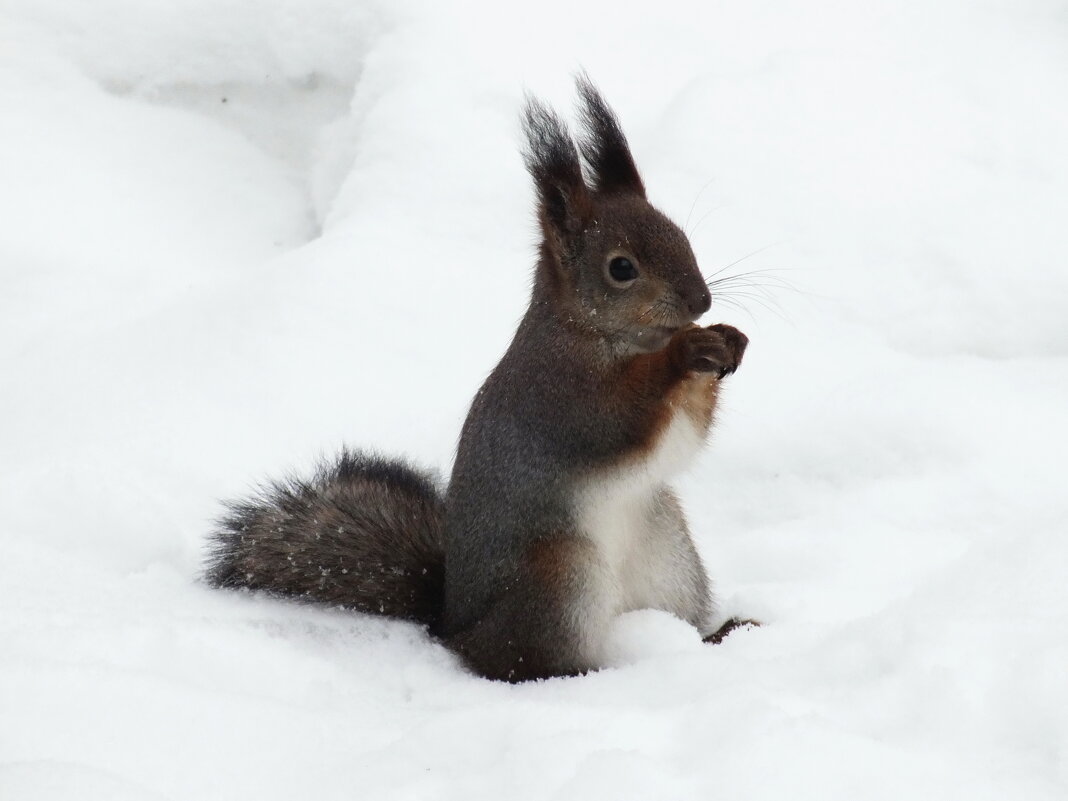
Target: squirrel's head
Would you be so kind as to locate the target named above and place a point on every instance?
(613, 264)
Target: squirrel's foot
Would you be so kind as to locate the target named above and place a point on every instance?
(717, 636)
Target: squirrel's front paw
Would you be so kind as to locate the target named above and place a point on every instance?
(716, 349)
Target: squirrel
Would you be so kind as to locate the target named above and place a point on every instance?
(557, 516)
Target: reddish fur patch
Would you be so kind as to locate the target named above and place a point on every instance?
(655, 387)
(552, 560)
(644, 389)
(652, 388)
(696, 396)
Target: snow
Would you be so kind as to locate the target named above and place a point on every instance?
(238, 234)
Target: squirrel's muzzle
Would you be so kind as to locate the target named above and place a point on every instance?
(699, 301)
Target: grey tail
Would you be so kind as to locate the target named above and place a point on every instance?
(364, 533)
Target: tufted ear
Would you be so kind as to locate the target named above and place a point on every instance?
(604, 147)
(564, 203)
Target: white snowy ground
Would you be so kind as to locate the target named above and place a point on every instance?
(234, 235)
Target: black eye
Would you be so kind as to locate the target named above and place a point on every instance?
(622, 270)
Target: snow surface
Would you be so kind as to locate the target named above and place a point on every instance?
(237, 234)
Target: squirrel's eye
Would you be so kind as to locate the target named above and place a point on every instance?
(622, 270)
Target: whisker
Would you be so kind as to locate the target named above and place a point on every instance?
(764, 275)
(731, 304)
(761, 290)
(770, 306)
(703, 218)
(756, 286)
(762, 299)
(693, 205)
(746, 256)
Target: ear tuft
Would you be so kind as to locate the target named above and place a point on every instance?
(553, 162)
(604, 147)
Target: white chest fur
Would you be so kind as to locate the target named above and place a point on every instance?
(614, 508)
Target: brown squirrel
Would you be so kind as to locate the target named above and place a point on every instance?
(557, 516)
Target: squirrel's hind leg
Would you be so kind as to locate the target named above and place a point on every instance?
(664, 570)
(550, 620)
(674, 576)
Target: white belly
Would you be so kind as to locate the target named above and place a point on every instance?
(614, 508)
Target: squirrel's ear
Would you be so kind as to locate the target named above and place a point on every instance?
(564, 201)
(604, 146)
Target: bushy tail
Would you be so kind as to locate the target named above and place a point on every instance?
(363, 533)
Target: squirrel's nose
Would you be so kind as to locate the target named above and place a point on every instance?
(699, 302)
